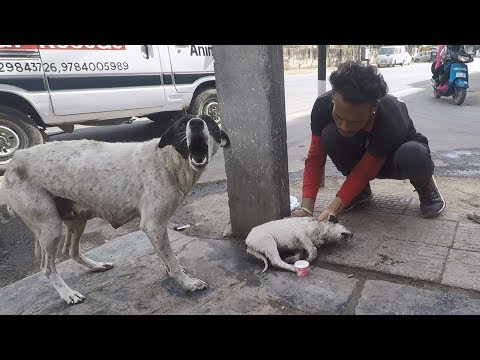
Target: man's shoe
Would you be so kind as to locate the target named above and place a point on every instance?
(431, 201)
(365, 195)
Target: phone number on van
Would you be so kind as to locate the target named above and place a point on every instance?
(63, 67)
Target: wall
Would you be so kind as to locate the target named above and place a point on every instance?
(307, 57)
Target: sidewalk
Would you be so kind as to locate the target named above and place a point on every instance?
(397, 263)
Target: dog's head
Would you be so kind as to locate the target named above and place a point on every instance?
(333, 231)
(195, 137)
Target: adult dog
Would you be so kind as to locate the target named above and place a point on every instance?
(296, 234)
(74, 181)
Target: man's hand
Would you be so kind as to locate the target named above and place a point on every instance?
(307, 204)
(299, 213)
(335, 208)
(325, 215)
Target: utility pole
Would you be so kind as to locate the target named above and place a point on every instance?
(251, 94)
(322, 69)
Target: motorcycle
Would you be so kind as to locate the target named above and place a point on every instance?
(457, 70)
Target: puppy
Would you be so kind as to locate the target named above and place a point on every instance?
(72, 182)
(294, 234)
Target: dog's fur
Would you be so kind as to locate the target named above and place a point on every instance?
(294, 234)
(74, 181)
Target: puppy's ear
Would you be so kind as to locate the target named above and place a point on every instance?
(224, 139)
(333, 219)
(167, 138)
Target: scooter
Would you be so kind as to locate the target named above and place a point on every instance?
(456, 67)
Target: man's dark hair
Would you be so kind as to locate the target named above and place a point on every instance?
(358, 83)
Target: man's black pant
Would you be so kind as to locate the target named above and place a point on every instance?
(412, 160)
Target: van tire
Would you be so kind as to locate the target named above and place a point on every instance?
(17, 131)
(206, 102)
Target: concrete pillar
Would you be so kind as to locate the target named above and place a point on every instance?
(250, 86)
(322, 69)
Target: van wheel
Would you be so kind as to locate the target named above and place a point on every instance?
(17, 131)
(206, 102)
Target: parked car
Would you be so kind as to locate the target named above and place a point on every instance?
(425, 56)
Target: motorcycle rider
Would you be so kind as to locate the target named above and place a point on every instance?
(444, 69)
(438, 70)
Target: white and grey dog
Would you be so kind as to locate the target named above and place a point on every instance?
(295, 234)
(74, 181)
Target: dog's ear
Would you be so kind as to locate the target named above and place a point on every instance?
(224, 139)
(205, 117)
(167, 138)
(333, 219)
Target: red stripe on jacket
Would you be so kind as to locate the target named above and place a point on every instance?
(314, 172)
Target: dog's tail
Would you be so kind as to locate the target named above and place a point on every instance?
(258, 256)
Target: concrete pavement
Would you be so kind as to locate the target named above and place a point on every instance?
(397, 263)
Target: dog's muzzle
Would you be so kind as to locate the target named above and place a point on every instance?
(347, 236)
(198, 144)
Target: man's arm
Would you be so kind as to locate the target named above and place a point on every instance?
(366, 169)
(313, 176)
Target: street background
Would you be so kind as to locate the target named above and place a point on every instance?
(453, 133)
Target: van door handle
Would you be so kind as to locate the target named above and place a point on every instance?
(145, 52)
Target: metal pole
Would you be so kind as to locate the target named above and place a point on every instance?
(322, 69)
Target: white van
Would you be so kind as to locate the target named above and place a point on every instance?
(63, 85)
(392, 55)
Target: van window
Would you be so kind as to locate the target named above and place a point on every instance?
(385, 51)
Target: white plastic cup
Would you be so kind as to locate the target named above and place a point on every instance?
(301, 267)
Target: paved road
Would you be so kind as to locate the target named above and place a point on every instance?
(453, 131)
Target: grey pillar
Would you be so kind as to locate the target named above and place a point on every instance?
(250, 86)
(322, 69)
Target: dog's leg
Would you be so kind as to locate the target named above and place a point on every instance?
(268, 246)
(277, 261)
(305, 240)
(38, 210)
(75, 229)
(297, 256)
(68, 240)
(157, 233)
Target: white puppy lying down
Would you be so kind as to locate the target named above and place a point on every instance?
(294, 234)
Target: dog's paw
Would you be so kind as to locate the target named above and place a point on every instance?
(195, 284)
(73, 297)
(105, 266)
(101, 266)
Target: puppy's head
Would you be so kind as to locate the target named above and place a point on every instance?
(195, 137)
(335, 232)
